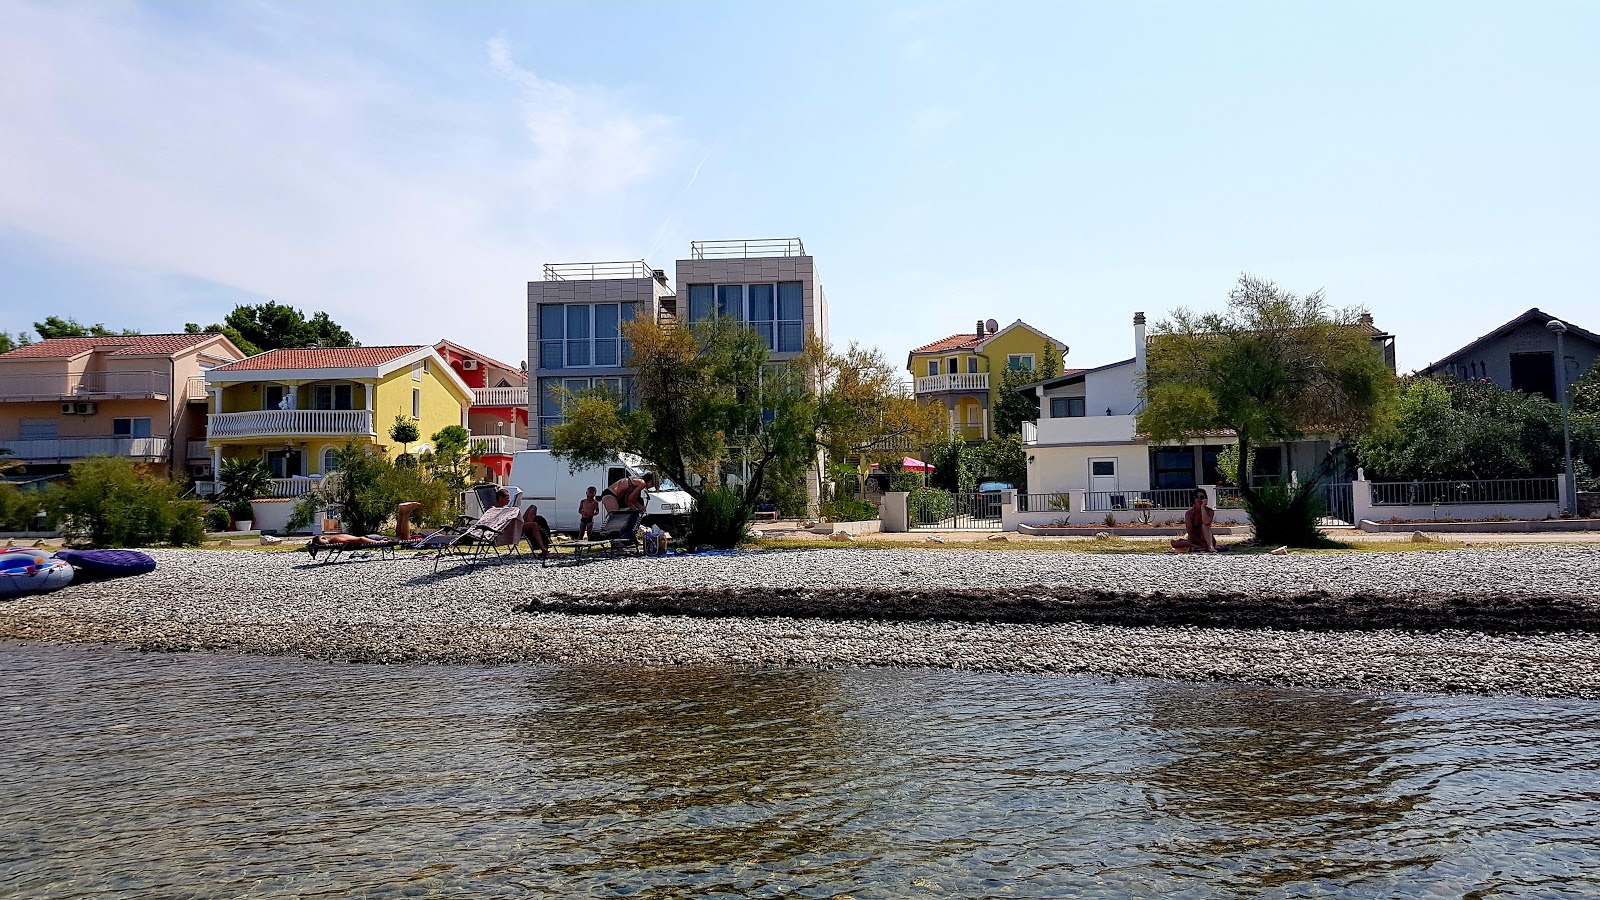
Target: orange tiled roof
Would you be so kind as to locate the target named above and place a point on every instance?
(117, 345)
(953, 342)
(321, 358)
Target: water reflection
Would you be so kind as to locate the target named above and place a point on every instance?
(1273, 788)
(140, 775)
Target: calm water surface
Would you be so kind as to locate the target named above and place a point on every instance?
(144, 775)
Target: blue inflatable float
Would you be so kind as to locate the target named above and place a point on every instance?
(31, 571)
(108, 563)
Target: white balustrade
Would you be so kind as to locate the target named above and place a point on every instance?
(500, 396)
(958, 381)
(497, 444)
(293, 487)
(274, 422)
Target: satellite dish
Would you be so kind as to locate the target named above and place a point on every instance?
(992, 326)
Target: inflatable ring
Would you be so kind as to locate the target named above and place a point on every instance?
(108, 563)
(26, 573)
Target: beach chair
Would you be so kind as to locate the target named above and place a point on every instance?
(381, 549)
(496, 532)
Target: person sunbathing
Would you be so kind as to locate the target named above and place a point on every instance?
(1197, 520)
(321, 542)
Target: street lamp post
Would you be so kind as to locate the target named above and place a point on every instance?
(1560, 329)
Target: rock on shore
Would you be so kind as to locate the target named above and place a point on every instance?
(1517, 620)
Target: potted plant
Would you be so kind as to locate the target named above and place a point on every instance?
(243, 515)
(243, 480)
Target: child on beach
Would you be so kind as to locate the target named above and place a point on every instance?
(588, 508)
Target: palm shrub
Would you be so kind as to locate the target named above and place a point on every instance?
(244, 480)
(1287, 514)
(108, 502)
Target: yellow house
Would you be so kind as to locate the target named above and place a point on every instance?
(961, 373)
(294, 408)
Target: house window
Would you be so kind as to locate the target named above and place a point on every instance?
(972, 365)
(130, 427)
(330, 460)
(774, 311)
(933, 367)
(1269, 466)
(1066, 407)
(273, 395)
(1172, 467)
(37, 429)
(416, 371)
(974, 415)
(578, 335)
(416, 403)
(334, 396)
(555, 393)
(1020, 362)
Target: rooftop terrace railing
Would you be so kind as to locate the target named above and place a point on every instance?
(746, 248)
(589, 271)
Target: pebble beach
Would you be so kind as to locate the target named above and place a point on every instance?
(1522, 620)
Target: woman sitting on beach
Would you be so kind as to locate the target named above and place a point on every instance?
(1197, 521)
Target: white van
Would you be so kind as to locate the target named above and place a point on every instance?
(549, 484)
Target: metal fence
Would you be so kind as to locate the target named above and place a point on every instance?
(1161, 498)
(1461, 493)
(943, 511)
(1228, 498)
(1060, 502)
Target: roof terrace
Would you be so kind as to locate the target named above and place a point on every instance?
(745, 249)
(589, 271)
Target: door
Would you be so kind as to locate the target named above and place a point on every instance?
(285, 463)
(1103, 484)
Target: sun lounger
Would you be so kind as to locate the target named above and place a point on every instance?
(382, 549)
(496, 532)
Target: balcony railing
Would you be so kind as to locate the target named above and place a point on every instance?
(746, 248)
(292, 487)
(500, 396)
(587, 271)
(83, 386)
(959, 381)
(63, 449)
(198, 450)
(197, 387)
(497, 444)
(274, 422)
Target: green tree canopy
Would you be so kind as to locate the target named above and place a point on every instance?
(1272, 367)
(257, 328)
(57, 327)
(10, 342)
(1012, 409)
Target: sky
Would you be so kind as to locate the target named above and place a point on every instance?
(409, 167)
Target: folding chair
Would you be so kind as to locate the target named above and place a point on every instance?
(499, 527)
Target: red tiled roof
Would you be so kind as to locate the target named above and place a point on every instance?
(468, 351)
(119, 345)
(953, 342)
(321, 358)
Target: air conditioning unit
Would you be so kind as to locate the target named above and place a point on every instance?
(68, 409)
(469, 365)
(84, 409)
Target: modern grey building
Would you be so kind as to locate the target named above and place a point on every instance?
(575, 313)
(1521, 355)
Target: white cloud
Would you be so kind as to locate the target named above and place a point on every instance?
(288, 166)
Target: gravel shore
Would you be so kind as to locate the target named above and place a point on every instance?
(1523, 620)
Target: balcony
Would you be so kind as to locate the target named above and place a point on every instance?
(745, 249)
(1087, 430)
(67, 449)
(960, 381)
(289, 422)
(84, 386)
(500, 396)
(196, 388)
(590, 271)
(497, 444)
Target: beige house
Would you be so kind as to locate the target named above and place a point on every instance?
(140, 396)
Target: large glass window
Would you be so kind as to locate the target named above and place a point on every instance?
(575, 335)
(791, 317)
(730, 301)
(606, 335)
(555, 393)
(579, 350)
(774, 311)
(1066, 407)
(702, 300)
(139, 427)
(333, 396)
(762, 312)
(552, 334)
(1172, 467)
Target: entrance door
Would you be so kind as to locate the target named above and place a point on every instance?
(1103, 484)
(285, 463)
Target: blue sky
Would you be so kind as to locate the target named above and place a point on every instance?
(409, 167)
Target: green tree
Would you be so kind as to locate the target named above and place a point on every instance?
(10, 342)
(270, 326)
(872, 419)
(1011, 409)
(1004, 459)
(1273, 367)
(706, 400)
(243, 480)
(1584, 395)
(226, 331)
(450, 461)
(404, 432)
(57, 327)
(108, 502)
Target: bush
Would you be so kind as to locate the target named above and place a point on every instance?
(718, 520)
(241, 510)
(244, 479)
(110, 503)
(19, 509)
(217, 519)
(1287, 515)
(905, 481)
(848, 510)
(928, 506)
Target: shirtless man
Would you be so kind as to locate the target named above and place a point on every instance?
(625, 497)
(588, 508)
(1197, 528)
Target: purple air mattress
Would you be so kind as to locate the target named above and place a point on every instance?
(108, 563)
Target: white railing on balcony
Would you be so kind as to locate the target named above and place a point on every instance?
(197, 387)
(500, 396)
(199, 450)
(497, 444)
(83, 386)
(292, 487)
(959, 381)
(273, 422)
(62, 449)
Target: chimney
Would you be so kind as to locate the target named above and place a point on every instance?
(980, 329)
(1138, 341)
(660, 275)
(1366, 318)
